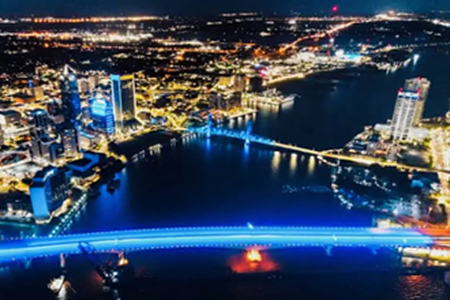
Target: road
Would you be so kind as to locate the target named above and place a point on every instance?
(215, 237)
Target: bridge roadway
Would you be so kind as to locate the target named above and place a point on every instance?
(217, 237)
(242, 135)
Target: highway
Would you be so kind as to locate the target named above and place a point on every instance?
(215, 237)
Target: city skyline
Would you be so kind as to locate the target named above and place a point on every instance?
(197, 7)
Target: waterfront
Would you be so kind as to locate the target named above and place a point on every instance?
(219, 182)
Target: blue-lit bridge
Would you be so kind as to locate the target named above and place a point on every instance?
(214, 237)
(247, 136)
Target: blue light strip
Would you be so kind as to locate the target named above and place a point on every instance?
(221, 237)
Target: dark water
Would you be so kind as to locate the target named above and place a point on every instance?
(222, 182)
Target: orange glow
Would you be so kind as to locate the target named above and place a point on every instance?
(122, 262)
(254, 256)
(252, 261)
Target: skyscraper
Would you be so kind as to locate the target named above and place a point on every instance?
(409, 107)
(70, 98)
(123, 92)
(39, 122)
(71, 110)
(48, 190)
(102, 115)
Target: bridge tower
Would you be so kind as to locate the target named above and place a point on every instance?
(249, 131)
(210, 123)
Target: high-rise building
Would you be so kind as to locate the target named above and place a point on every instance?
(409, 107)
(102, 115)
(83, 85)
(70, 98)
(70, 142)
(48, 190)
(123, 91)
(239, 83)
(46, 148)
(94, 80)
(39, 122)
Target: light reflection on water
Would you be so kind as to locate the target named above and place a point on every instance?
(311, 165)
(293, 163)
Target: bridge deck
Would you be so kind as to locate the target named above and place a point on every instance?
(220, 237)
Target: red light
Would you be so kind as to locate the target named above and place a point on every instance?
(335, 8)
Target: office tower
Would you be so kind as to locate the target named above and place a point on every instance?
(71, 110)
(239, 83)
(46, 148)
(102, 116)
(83, 85)
(10, 118)
(70, 142)
(409, 107)
(123, 93)
(39, 122)
(94, 80)
(70, 98)
(49, 189)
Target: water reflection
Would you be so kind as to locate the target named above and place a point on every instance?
(293, 163)
(311, 165)
(276, 161)
(246, 152)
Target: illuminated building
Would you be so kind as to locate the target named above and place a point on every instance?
(38, 121)
(70, 98)
(93, 82)
(48, 190)
(53, 108)
(45, 147)
(88, 140)
(70, 142)
(71, 110)
(409, 107)
(37, 92)
(239, 83)
(102, 116)
(123, 92)
(10, 118)
(84, 86)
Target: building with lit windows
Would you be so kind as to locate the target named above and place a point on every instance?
(409, 107)
(70, 142)
(102, 116)
(48, 191)
(46, 147)
(123, 92)
(39, 122)
(71, 110)
(70, 98)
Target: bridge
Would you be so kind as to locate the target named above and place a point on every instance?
(248, 137)
(217, 237)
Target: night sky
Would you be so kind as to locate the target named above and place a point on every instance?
(204, 7)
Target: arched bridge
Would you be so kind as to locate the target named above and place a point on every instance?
(217, 237)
